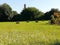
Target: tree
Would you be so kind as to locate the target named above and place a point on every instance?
(30, 13)
(14, 14)
(16, 18)
(55, 18)
(3, 14)
(47, 15)
(8, 9)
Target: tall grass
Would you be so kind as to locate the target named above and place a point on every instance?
(31, 33)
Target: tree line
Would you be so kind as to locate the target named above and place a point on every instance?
(27, 14)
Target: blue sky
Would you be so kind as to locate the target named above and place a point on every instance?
(42, 5)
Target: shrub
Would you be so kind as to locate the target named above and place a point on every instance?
(17, 22)
(52, 19)
(55, 20)
(27, 21)
(36, 21)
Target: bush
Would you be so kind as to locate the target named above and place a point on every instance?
(17, 22)
(52, 19)
(27, 21)
(36, 21)
(55, 20)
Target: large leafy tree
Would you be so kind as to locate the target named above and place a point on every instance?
(5, 12)
(30, 13)
(8, 10)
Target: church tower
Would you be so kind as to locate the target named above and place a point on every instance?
(24, 6)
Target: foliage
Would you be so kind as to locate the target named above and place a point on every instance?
(7, 8)
(47, 15)
(52, 19)
(30, 13)
(16, 17)
(55, 18)
(6, 12)
(3, 14)
(14, 13)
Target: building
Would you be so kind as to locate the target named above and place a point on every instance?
(24, 6)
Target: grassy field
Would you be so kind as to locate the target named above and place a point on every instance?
(31, 33)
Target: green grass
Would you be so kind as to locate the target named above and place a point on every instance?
(31, 33)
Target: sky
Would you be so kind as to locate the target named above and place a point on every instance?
(42, 5)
